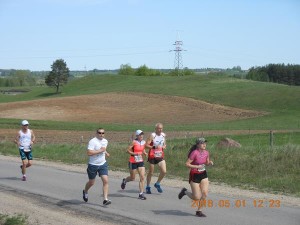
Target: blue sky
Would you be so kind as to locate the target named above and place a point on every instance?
(103, 34)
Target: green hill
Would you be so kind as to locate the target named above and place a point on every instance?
(282, 102)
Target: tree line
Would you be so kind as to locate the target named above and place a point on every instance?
(17, 78)
(127, 70)
(276, 73)
(60, 74)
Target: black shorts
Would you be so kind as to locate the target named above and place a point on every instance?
(155, 161)
(197, 177)
(134, 166)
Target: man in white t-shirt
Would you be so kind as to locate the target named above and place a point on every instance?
(96, 151)
(25, 139)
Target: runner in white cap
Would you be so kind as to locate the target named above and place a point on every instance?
(136, 162)
(25, 139)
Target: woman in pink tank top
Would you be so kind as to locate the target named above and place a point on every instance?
(198, 158)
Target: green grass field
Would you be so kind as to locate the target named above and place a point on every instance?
(255, 165)
(280, 101)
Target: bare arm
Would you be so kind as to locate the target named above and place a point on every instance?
(189, 165)
(208, 162)
(130, 149)
(96, 152)
(144, 152)
(148, 142)
(165, 144)
(32, 138)
(17, 139)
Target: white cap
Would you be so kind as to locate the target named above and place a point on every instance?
(25, 122)
(139, 132)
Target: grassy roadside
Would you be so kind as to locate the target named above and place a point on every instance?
(255, 165)
(13, 220)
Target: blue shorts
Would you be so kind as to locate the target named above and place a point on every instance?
(134, 166)
(92, 170)
(25, 155)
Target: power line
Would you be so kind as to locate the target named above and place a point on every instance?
(178, 63)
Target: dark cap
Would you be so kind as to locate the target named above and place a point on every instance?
(201, 140)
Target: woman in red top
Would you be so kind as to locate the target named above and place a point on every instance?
(136, 162)
(198, 158)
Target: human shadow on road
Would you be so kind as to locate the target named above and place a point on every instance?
(11, 178)
(171, 212)
(73, 202)
(69, 202)
(135, 191)
(124, 195)
(129, 191)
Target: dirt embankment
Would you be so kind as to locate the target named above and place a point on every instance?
(124, 108)
(130, 108)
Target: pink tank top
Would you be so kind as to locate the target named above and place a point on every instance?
(199, 157)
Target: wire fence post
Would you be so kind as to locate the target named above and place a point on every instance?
(271, 138)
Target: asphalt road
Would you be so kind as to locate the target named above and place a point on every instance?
(63, 189)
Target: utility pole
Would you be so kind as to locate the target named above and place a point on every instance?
(178, 64)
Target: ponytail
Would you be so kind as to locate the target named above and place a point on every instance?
(193, 148)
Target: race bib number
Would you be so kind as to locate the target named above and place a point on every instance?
(26, 150)
(138, 158)
(158, 154)
(202, 169)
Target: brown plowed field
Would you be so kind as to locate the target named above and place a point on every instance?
(123, 108)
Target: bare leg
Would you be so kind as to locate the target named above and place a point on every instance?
(88, 185)
(25, 165)
(163, 170)
(196, 192)
(131, 177)
(204, 191)
(104, 179)
(141, 171)
(150, 173)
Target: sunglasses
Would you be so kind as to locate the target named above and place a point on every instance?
(100, 132)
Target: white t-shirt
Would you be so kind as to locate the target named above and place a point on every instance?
(96, 144)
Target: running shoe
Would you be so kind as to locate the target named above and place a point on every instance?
(123, 185)
(148, 190)
(85, 196)
(182, 193)
(24, 178)
(142, 196)
(157, 186)
(200, 214)
(106, 202)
